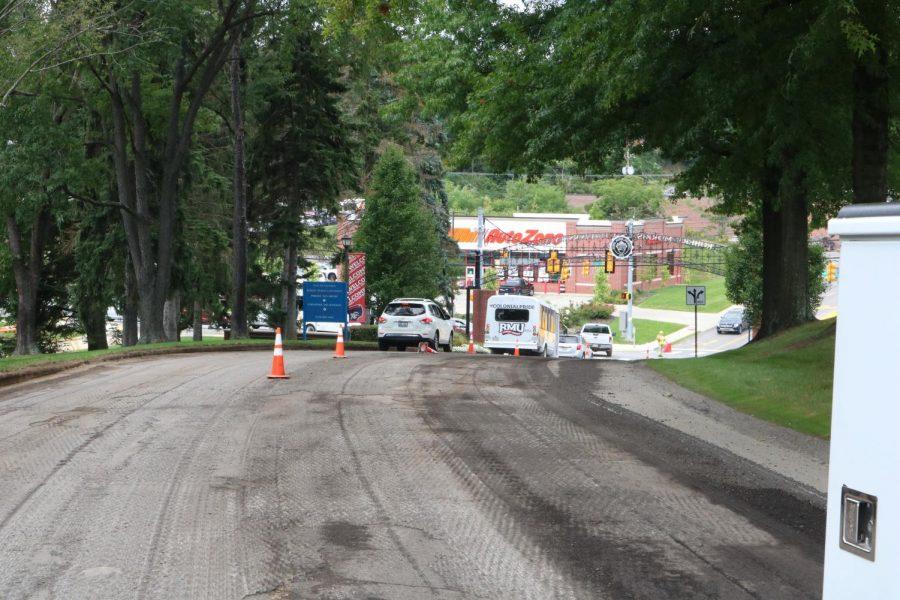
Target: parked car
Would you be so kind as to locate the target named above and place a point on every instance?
(733, 321)
(409, 321)
(517, 286)
(598, 337)
(260, 324)
(322, 327)
(459, 327)
(572, 346)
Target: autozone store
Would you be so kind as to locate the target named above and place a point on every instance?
(519, 246)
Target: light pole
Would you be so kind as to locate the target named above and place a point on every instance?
(346, 243)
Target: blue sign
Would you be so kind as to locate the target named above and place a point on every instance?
(325, 302)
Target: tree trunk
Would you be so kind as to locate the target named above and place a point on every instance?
(239, 221)
(27, 272)
(785, 229)
(171, 317)
(198, 321)
(130, 307)
(93, 318)
(871, 113)
(289, 291)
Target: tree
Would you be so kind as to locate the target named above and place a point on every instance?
(398, 235)
(602, 289)
(585, 80)
(744, 271)
(626, 198)
(303, 157)
(239, 219)
(155, 94)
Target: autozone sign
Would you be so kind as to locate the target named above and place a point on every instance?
(509, 232)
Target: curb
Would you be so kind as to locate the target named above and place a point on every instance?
(52, 368)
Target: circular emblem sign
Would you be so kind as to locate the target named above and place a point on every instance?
(621, 246)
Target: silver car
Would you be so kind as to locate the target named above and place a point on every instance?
(572, 346)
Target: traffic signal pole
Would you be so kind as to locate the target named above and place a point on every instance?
(630, 332)
(478, 255)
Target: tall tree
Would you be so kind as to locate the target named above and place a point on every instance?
(398, 235)
(239, 219)
(155, 95)
(302, 154)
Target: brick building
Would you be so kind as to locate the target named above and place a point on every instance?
(518, 246)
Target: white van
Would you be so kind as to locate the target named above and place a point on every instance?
(522, 320)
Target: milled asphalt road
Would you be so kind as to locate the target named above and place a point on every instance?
(379, 477)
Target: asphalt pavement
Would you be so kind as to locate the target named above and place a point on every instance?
(392, 475)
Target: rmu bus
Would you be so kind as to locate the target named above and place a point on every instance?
(522, 320)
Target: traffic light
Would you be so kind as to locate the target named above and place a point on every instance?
(610, 263)
(831, 272)
(553, 263)
(564, 273)
(586, 268)
(625, 296)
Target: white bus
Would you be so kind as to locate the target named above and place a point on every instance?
(522, 320)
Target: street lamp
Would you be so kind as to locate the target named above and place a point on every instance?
(347, 243)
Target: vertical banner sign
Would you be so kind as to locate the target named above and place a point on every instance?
(356, 288)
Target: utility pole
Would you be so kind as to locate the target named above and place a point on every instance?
(478, 256)
(630, 333)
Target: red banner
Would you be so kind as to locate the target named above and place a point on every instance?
(356, 288)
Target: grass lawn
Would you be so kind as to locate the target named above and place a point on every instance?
(672, 297)
(646, 330)
(786, 379)
(14, 363)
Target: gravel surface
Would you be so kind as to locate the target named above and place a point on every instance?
(379, 477)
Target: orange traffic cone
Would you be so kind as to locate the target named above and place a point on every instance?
(668, 347)
(471, 349)
(516, 351)
(278, 358)
(339, 347)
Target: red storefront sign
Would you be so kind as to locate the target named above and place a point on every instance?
(356, 287)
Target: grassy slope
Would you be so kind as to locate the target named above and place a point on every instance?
(647, 330)
(672, 297)
(14, 363)
(786, 379)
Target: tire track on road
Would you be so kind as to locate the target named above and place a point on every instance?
(81, 447)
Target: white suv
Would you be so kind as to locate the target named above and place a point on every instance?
(408, 321)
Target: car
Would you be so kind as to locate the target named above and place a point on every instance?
(517, 286)
(572, 346)
(410, 321)
(459, 327)
(323, 327)
(598, 337)
(733, 321)
(260, 324)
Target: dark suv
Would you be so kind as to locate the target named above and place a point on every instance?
(518, 286)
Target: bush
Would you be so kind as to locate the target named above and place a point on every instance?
(574, 318)
(364, 333)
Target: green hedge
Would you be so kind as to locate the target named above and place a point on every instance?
(364, 333)
(574, 318)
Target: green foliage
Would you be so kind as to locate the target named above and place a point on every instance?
(625, 198)
(574, 317)
(602, 289)
(364, 333)
(398, 235)
(518, 196)
(491, 279)
(744, 271)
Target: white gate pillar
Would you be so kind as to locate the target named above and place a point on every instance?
(862, 545)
